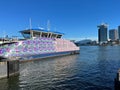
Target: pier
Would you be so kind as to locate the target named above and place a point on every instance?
(9, 68)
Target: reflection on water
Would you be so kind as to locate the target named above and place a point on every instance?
(93, 69)
(46, 73)
(9, 84)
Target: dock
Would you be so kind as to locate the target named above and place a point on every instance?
(9, 68)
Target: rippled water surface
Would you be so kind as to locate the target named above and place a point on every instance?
(93, 69)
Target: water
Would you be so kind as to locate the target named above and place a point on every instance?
(93, 69)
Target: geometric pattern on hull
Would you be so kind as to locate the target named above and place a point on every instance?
(37, 46)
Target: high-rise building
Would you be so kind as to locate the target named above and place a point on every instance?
(119, 32)
(113, 34)
(102, 33)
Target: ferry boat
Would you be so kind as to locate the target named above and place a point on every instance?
(38, 43)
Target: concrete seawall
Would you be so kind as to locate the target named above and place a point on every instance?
(9, 68)
(3, 69)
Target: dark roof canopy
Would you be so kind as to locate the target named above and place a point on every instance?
(41, 30)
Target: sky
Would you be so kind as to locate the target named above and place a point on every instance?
(77, 19)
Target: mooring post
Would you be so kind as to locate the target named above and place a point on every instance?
(117, 81)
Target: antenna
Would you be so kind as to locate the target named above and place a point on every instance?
(30, 23)
(48, 25)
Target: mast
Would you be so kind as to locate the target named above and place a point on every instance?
(30, 22)
(31, 32)
(48, 27)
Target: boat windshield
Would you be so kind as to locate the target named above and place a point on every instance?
(26, 35)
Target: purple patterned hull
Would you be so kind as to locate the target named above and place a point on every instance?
(38, 46)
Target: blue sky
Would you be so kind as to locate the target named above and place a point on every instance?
(78, 19)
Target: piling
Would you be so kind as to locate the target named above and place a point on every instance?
(117, 81)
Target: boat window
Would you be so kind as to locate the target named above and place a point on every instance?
(26, 35)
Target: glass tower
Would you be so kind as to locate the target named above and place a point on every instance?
(119, 32)
(102, 33)
(113, 34)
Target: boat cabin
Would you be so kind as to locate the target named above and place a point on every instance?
(33, 33)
